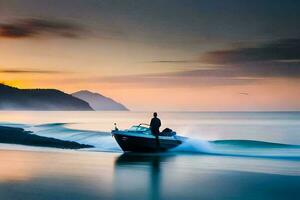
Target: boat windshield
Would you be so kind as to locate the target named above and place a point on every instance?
(138, 128)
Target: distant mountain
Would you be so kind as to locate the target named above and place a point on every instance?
(98, 101)
(39, 99)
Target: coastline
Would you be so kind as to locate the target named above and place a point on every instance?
(12, 135)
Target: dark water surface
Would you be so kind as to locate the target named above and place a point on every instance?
(228, 156)
(90, 175)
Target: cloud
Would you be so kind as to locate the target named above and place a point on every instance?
(261, 70)
(280, 50)
(279, 58)
(25, 71)
(240, 66)
(230, 74)
(275, 53)
(173, 61)
(183, 79)
(27, 28)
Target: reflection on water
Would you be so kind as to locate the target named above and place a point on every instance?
(55, 176)
(79, 175)
(173, 176)
(139, 175)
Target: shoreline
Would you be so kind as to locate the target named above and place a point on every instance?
(18, 136)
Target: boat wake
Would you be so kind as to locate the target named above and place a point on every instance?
(245, 148)
(103, 141)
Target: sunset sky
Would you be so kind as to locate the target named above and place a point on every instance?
(193, 55)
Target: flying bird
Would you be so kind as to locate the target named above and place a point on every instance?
(244, 93)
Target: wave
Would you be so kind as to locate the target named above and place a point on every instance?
(14, 125)
(244, 148)
(51, 124)
(193, 146)
(103, 141)
(254, 144)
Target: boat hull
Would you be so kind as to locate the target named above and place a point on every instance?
(142, 144)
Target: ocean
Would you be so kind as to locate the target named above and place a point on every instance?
(227, 155)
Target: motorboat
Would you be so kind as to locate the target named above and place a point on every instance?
(139, 138)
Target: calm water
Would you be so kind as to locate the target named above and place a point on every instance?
(227, 156)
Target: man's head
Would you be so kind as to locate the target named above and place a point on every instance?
(155, 114)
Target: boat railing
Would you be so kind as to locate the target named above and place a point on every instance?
(144, 124)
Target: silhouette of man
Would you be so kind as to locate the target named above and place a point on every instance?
(154, 126)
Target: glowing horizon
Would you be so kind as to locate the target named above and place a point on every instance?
(159, 55)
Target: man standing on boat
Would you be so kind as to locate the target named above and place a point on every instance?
(154, 126)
